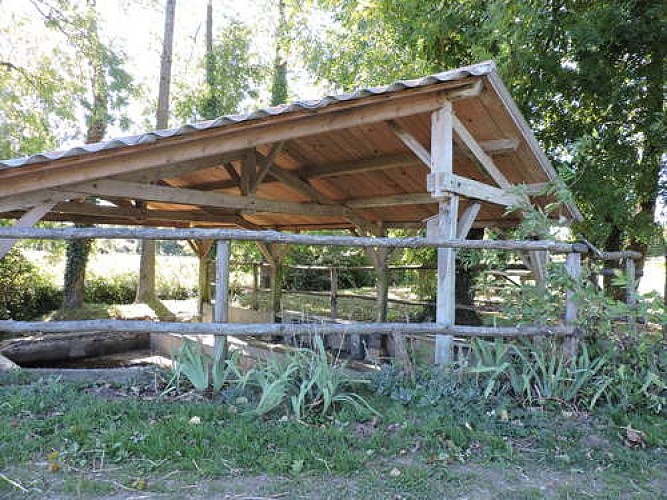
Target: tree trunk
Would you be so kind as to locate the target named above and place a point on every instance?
(79, 250)
(162, 115)
(75, 272)
(146, 288)
(279, 85)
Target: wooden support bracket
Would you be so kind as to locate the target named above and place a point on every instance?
(29, 219)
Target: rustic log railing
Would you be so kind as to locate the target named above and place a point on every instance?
(220, 328)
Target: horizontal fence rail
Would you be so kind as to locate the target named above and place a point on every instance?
(258, 329)
(286, 238)
(268, 236)
(220, 328)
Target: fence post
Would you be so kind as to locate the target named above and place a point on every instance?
(333, 293)
(573, 266)
(220, 311)
(255, 286)
(445, 226)
(630, 276)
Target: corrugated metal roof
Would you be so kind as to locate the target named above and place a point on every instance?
(309, 105)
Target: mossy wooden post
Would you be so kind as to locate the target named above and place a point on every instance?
(220, 311)
(573, 266)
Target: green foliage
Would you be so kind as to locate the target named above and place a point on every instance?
(599, 64)
(201, 370)
(122, 288)
(25, 293)
(232, 78)
(305, 279)
(538, 374)
(304, 383)
(622, 364)
(432, 386)
(113, 289)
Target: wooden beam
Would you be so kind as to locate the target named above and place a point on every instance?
(295, 182)
(500, 146)
(331, 170)
(29, 219)
(393, 200)
(181, 169)
(471, 189)
(410, 142)
(534, 189)
(233, 174)
(466, 220)
(465, 139)
(265, 165)
(134, 214)
(248, 172)
(216, 141)
(357, 166)
(442, 145)
(27, 201)
(183, 196)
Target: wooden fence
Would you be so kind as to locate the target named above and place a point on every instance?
(220, 328)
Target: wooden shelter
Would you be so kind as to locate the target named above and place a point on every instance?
(355, 160)
(448, 148)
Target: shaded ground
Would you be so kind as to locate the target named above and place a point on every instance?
(61, 440)
(474, 482)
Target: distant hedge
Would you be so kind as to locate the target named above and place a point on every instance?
(25, 292)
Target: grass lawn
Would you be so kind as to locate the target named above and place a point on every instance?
(61, 440)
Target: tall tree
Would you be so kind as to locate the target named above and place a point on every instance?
(279, 82)
(231, 77)
(146, 288)
(108, 86)
(589, 77)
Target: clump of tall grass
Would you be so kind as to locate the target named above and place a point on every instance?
(304, 383)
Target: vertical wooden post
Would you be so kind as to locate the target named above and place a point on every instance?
(255, 286)
(276, 288)
(445, 225)
(630, 276)
(333, 292)
(536, 262)
(445, 311)
(573, 266)
(220, 311)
